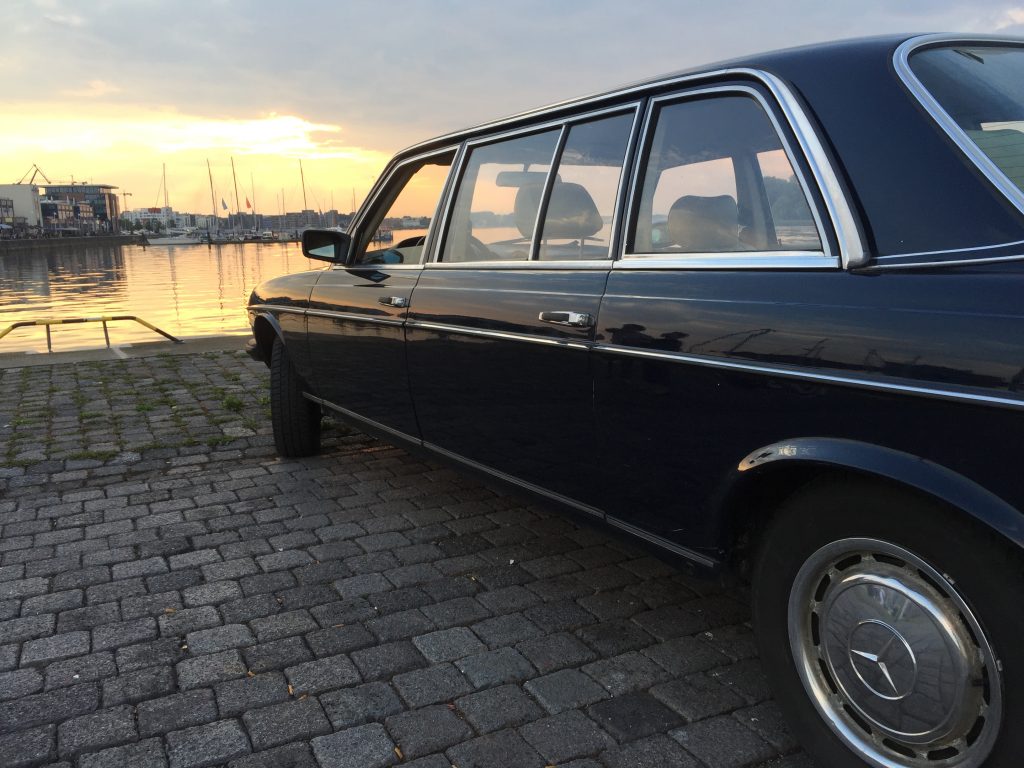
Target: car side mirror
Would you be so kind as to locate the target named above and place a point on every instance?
(326, 245)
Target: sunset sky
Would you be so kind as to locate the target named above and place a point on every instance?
(108, 90)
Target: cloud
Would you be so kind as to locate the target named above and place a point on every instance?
(1010, 18)
(93, 89)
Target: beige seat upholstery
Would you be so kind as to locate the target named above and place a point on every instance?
(704, 224)
(572, 212)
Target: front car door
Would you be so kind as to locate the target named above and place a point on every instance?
(357, 310)
(502, 320)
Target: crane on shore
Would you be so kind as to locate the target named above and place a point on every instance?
(35, 170)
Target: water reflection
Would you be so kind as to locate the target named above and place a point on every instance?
(188, 290)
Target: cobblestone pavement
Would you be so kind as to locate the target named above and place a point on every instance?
(171, 593)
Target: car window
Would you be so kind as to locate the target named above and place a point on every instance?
(495, 210)
(716, 179)
(396, 229)
(581, 204)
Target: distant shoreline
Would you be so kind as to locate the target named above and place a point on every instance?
(31, 245)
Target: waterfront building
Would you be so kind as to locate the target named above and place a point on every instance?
(58, 216)
(101, 197)
(24, 203)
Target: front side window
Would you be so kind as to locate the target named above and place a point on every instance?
(396, 230)
(717, 180)
(981, 87)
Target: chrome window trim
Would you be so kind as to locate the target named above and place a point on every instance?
(824, 378)
(950, 250)
(553, 265)
(565, 124)
(383, 182)
(901, 62)
(825, 257)
(729, 260)
(848, 234)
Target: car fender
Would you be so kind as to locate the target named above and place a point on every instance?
(810, 456)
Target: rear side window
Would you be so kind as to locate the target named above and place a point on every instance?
(981, 88)
(716, 179)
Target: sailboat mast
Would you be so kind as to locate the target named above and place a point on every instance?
(238, 213)
(166, 204)
(305, 205)
(252, 188)
(213, 200)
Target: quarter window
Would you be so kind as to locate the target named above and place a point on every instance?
(717, 180)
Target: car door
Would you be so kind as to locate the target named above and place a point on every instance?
(357, 310)
(502, 320)
(722, 254)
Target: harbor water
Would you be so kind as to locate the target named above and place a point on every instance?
(187, 290)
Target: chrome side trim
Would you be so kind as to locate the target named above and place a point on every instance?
(671, 546)
(277, 308)
(354, 317)
(937, 264)
(503, 335)
(824, 378)
(951, 250)
(901, 61)
(362, 419)
(769, 260)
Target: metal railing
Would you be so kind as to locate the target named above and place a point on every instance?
(72, 320)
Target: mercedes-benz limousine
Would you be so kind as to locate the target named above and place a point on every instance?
(767, 315)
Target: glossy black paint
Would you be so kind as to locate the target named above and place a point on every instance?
(695, 385)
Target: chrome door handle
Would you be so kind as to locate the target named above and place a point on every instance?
(394, 301)
(575, 319)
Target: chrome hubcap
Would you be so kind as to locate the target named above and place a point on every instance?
(893, 658)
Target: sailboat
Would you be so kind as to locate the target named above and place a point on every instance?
(173, 235)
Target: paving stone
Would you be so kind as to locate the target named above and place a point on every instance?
(656, 751)
(88, 617)
(284, 625)
(110, 636)
(697, 697)
(172, 713)
(505, 749)
(459, 611)
(211, 594)
(144, 754)
(633, 716)
(685, 655)
(433, 685)
(277, 561)
(207, 745)
(52, 603)
(165, 651)
(503, 707)
(400, 626)
(506, 630)
(566, 689)
(767, 722)
(386, 661)
(423, 731)
(248, 608)
(557, 651)
(298, 755)
(181, 622)
(80, 669)
(142, 684)
(236, 696)
(745, 677)
(360, 704)
(367, 746)
(504, 665)
(28, 748)
(106, 728)
(722, 742)
(448, 644)
(219, 639)
(322, 675)
(20, 682)
(281, 723)
(671, 621)
(158, 605)
(210, 669)
(135, 568)
(343, 612)
(50, 707)
(627, 672)
(278, 654)
(561, 737)
(26, 628)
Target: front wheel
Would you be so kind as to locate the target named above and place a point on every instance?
(879, 618)
(295, 419)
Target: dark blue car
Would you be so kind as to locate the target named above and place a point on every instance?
(767, 315)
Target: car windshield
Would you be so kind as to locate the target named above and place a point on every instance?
(981, 87)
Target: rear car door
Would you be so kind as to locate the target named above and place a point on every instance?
(357, 310)
(502, 320)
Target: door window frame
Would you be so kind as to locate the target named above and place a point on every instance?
(826, 258)
(379, 192)
(564, 124)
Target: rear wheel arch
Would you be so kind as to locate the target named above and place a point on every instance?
(265, 330)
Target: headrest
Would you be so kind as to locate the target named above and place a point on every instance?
(704, 224)
(572, 212)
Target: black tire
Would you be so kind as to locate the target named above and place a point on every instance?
(980, 576)
(296, 420)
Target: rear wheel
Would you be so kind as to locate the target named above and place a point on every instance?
(296, 420)
(879, 618)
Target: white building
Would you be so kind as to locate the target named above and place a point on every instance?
(26, 203)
